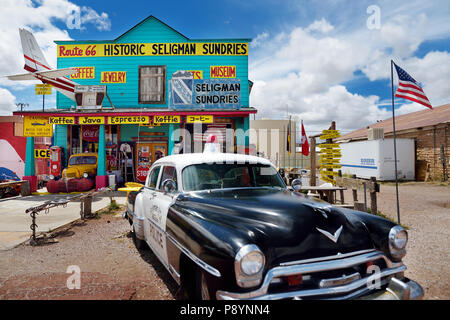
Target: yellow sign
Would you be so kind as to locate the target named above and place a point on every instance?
(331, 166)
(84, 73)
(129, 120)
(166, 119)
(327, 179)
(334, 152)
(91, 120)
(150, 125)
(152, 49)
(330, 131)
(200, 119)
(114, 77)
(328, 173)
(198, 74)
(328, 145)
(34, 126)
(328, 160)
(222, 72)
(43, 89)
(61, 120)
(42, 153)
(329, 136)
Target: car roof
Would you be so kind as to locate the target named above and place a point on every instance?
(182, 160)
(84, 154)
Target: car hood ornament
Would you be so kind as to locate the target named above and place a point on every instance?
(330, 236)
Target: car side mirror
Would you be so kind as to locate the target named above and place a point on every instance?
(169, 186)
(296, 184)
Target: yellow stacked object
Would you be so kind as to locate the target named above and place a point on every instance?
(131, 186)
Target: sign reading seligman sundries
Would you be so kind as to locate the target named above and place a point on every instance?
(152, 49)
(188, 93)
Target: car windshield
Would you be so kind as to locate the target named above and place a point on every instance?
(82, 160)
(219, 176)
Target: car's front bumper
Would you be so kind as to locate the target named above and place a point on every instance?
(389, 287)
(405, 289)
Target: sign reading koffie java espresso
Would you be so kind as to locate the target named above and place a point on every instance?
(189, 93)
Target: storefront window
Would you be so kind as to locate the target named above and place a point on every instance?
(152, 84)
(111, 134)
(75, 141)
(90, 138)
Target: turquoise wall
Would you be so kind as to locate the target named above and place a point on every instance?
(150, 31)
(60, 139)
(128, 131)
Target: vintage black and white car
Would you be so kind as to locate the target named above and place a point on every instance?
(226, 226)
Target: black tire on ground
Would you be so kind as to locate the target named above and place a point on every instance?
(140, 244)
(201, 289)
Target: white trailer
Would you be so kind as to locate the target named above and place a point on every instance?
(375, 158)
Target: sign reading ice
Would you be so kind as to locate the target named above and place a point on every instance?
(189, 93)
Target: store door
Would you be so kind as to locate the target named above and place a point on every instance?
(146, 154)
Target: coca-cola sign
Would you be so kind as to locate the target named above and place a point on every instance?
(90, 133)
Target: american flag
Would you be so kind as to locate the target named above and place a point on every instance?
(409, 89)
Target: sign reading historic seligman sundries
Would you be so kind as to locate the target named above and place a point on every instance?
(152, 49)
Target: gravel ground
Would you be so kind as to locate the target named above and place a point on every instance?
(425, 210)
(112, 268)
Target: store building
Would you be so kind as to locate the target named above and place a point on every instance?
(152, 92)
(430, 131)
(269, 138)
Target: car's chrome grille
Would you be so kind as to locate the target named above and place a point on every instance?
(339, 274)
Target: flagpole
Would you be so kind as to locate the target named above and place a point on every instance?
(395, 144)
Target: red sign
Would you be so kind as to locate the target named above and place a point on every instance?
(141, 173)
(90, 133)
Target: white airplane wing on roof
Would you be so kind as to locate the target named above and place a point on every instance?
(56, 73)
(39, 69)
(23, 76)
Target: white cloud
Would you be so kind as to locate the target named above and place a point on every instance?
(89, 15)
(38, 17)
(321, 25)
(7, 102)
(257, 41)
(302, 71)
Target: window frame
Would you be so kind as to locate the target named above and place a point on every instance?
(140, 101)
(175, 175)
(147, 183)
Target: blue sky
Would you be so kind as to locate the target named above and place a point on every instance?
(316, 60)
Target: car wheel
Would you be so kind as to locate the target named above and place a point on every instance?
(140, 244)
(201, 286)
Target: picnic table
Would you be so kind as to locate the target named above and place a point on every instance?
(327, 193)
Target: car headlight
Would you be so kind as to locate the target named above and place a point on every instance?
(85, 175)
(398, 239)
(249, 265)
(52, 177)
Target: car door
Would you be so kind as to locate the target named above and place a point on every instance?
(158, 212)
(150, 193)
